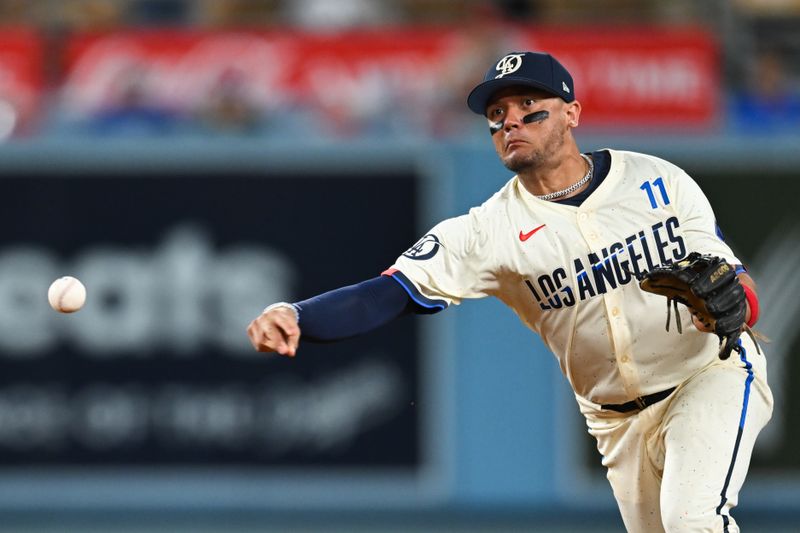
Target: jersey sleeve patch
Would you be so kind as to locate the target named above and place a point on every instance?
(433, 305)
(425, 248)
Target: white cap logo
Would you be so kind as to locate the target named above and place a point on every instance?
(509, 64)
(564, 86)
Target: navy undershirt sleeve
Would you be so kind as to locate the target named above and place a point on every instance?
(353, 310)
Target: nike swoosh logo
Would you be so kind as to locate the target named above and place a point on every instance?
(525, 236)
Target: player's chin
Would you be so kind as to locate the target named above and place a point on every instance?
(517, 162)
(512, 155)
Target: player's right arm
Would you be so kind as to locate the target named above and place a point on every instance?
(432, 274)
(332, 316)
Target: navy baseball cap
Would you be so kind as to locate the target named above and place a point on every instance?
(532, 69)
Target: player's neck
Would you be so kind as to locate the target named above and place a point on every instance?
(570, 170)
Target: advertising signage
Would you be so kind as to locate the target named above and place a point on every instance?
(156, 369)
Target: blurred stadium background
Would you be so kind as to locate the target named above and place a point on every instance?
(193, 161)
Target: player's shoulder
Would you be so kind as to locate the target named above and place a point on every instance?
(640, 161)
(484, 218)
(497, 203)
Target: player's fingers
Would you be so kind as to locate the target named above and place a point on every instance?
(700, 325)
(292, 341)
(257, 333)
(266, 336)
(289, 331)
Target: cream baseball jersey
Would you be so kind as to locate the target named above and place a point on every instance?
(569, 273)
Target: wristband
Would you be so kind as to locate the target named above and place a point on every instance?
(281, 305)
(752, 301)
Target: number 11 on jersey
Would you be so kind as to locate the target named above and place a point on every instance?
(648, 188)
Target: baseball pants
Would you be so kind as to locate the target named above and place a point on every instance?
(678, 465)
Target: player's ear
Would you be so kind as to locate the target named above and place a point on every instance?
(573, 111)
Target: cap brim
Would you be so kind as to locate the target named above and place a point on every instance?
(479, 97)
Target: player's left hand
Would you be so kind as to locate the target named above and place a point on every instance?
(708, 286)
(698, 323)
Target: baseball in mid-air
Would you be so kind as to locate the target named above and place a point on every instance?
(66, 294)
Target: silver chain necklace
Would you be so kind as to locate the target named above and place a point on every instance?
(574, 187)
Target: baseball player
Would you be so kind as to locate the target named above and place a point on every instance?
(562, 243)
